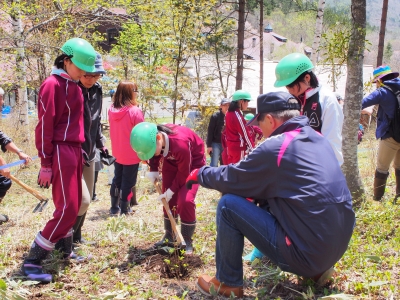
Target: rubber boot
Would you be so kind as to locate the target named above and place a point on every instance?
(379, 185)
(64, 245)
(397, 173)
(3, 218)
(255, 253)
(77, 236)
(187, 231)
(125, 208)
(169, 236)
(133, 199)
(31, 266)
(114, 210)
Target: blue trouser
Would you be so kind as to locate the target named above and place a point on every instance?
(238, 218)
(124, 180)
(216, 154)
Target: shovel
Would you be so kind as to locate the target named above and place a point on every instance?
(43, 200)
(178, 235)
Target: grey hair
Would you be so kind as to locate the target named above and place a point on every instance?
(282, 115)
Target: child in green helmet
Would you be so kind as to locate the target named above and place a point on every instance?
(181, 151)
(58, 137)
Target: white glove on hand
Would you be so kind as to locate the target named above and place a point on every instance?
(167, 195)
(152, 176)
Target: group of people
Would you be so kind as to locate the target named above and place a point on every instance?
(287, 195)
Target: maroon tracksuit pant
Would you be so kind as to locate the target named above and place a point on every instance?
(182, 202)
(66, 191)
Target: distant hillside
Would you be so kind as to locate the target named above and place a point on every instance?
(374, 11)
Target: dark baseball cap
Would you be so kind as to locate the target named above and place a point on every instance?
(271, 102)
(225, 101)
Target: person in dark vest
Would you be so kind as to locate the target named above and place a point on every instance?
(318, 103)
(92, 106)
(388, 150)
(217, 121)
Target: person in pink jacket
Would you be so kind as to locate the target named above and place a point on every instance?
(123, 115)
(181, 151)
(59, 135)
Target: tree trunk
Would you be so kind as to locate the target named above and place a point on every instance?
(240, 45)
(261, 91)
(354, 95)
(382, 33)
(22, 104)
(318, 31)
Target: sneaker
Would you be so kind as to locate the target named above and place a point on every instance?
(205, 282)
(95, 199)
(253, 255)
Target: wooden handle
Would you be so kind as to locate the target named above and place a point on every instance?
(178, 235)
(28, 188)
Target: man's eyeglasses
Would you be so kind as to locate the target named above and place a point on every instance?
(97, 76)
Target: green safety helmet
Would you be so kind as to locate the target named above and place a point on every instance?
(290, 68)
(241, 95)
(248, 117)
(143, 140)
(81, 53)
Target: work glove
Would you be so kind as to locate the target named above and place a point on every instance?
(85, 159)
(153, 176)
(45, 177)
(192, 179)
(104, 150)
(167, 195)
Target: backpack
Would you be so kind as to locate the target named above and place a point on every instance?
(394, 127)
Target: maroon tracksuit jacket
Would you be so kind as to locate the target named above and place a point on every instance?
(185, 153)
(58, 137)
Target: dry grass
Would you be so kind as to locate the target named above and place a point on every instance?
(368, 270)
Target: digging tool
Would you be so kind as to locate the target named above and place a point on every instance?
(43, 200)
(178, 235)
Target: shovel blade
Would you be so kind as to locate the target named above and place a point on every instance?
(41, 206)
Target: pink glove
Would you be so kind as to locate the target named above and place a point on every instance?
(44, 177)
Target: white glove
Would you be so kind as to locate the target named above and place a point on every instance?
(152, 176)
(167, 195)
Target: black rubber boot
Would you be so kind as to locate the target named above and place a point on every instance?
(133, 199)
(187, 231)
(169, 236)
(77, 237)
(397, 173)
(65, 246)
(114, 210)
(379, 185)
(125, 208)
(3, 218)
(32, 267)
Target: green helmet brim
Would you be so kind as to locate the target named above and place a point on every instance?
(86, 68)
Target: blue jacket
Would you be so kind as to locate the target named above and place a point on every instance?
(296, 174)
(387, 105)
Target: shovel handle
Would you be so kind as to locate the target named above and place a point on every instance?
(178, 235)
(28, 188)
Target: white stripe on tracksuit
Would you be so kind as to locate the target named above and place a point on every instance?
(250, 146)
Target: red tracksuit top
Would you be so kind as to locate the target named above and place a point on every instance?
(238, 135)
(186, 153)
(60, 114)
